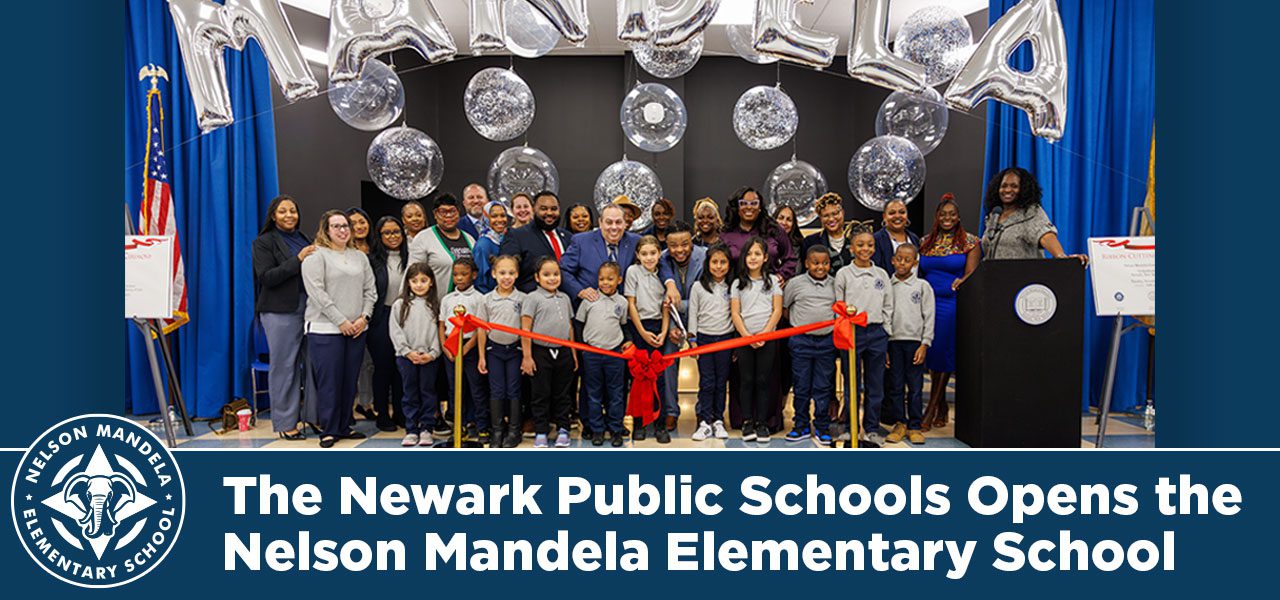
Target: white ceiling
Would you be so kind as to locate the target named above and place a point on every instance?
(831, 16)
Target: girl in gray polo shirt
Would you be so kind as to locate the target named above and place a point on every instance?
(547, 311)
(755, 303)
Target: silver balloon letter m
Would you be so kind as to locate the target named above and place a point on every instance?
(205, 28)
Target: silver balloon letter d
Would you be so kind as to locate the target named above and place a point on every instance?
(1041, 92)
(205, 28)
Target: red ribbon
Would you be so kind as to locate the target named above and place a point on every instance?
(645, 366)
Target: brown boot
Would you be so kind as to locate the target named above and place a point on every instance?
(895, 436)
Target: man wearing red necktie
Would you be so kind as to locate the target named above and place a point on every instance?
(541, 237)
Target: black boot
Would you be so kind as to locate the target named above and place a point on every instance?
(660, 432)
(498, 436)
(637, 429)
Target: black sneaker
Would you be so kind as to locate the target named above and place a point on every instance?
(365, 413)
(749, 431)
(353, 435)
(386, 425)
(618, 440)
(472, 432)
(638, 434)
(513, 439)
(442, 427)
(762, 433)
(661, 434)
(484, 436)
(597, 438)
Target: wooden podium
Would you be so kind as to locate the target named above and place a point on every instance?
(1019, 354)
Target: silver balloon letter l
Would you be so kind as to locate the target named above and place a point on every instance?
(359, 31)
(205, 28)
(869, 57)
(1042, 92)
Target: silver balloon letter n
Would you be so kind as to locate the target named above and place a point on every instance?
(205, 28)
(362, 29)
(1042, 92)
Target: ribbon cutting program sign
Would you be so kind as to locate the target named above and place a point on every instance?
(1124, 275)
(148, 284)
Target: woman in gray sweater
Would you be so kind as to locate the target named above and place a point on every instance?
(340, 298)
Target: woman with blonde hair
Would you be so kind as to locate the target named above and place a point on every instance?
(706, 223)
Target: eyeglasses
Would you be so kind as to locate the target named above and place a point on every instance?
(392, 233)
(340, 226)
(749, 203)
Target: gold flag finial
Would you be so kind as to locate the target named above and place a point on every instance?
(155, 73)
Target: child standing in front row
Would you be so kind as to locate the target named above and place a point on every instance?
(604, 326)
(912, 336)
(755, 304)
(710, 321)
(865, 287)
(650, 317)
(500, 352)
(808, 299)
(547, 311)
(415, 338)
(475, 409)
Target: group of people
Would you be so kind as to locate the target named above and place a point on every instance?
(384, 294)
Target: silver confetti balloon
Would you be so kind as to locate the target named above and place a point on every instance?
(521, 169)
(921, 118)
(373, 101)
(886, 168)
(405, 163)
(668, 62)
(633, 180)
(498, 104)
(529, 33)
(937, 37)
(797, 184)
(653, 117)
(765, 117)
(740, 41)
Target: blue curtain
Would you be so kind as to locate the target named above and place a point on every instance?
(1097, 173)
(222, 183)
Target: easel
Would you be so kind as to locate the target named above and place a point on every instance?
(150, 328)
(1113, 356)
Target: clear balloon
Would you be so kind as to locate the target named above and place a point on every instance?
(653, 117)
(884, 169)
(371, 103)
(498, 104)
(362, 29)
(921, 118)
(765, 117)
(529, 34)
(633, 180)
(668, 62)
(405, 163)
(797, 184)
(778, 33)
(937, 37)
(740, 41)
(869, 57)
(205, 28)
(1042, 92)
(521, 169)
(488, 26)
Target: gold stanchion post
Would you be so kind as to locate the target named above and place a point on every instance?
(855, 422)
(457, 384)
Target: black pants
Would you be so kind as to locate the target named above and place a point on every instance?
(387, 386)
(552, 388)
(755, 369)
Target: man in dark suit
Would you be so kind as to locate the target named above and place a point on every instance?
(542, 237)
(473, 221)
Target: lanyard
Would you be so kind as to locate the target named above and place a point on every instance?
(448, 250)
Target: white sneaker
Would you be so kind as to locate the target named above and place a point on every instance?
(719, 429)
(425, 439)
(409, 440)
(704, 431)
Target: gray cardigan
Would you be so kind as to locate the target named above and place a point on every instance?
(340, 287)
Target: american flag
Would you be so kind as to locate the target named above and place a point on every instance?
(157, 215)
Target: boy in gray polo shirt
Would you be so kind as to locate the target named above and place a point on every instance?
(912, 334)
(604, 326)
(806, 300)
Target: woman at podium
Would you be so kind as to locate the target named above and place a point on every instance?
(1017, 226)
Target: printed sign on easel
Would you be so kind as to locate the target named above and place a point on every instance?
(148, 283)
(1123, 270)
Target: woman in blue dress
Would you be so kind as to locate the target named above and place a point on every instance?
(948, 255)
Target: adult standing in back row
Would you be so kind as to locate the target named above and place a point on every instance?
(745, 218)
(442, 244)
(542, 237)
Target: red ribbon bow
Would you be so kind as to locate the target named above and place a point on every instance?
(843, 333)
(645, 367)
(462, 325)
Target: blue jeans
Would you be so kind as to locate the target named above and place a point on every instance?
(713, 378)
(419, 399)
(873, 346)
(671, 401)
(475, 392)
(904, 374)
(503, 362)
(813, 364)
(602, 376)
(335, 364)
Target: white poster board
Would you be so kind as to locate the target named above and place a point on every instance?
(148, 283)
(1123, 270)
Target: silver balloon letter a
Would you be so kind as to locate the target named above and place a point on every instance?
(205, 28)
(778, 34)
(869, 57)
(1042, 92)
(488, 29)
(362, 29)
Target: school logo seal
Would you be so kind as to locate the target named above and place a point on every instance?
(98, 501)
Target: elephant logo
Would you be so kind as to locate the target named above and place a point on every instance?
(100, 497)
(98, 501)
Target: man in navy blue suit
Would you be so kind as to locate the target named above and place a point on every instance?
(473, 221)
(542, 237)
(590, 249)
